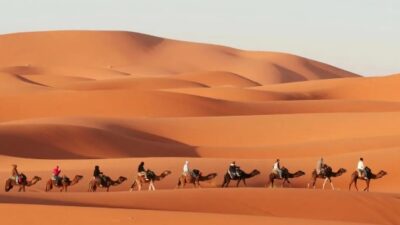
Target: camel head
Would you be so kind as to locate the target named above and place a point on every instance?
(211, 176)
(37, 178)
(122, 179)
(299, 173)
(381, 174)
(208, 177)
(254, 173)
(34, 180)
(341, 171)
(78, 177)
(165, 173)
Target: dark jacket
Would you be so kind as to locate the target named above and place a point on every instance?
(141, 168)
(96, 172)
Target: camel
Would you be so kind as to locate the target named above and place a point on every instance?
(10, 183)
(285, 176)
(243, 176)
(370, 175)
(190, 179)
(107, 183)
(63, 183)
(151, 177)
(327, 175)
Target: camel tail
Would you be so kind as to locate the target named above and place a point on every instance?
(90, 187)
(133, 186)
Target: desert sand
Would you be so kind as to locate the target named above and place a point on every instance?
(83, 98)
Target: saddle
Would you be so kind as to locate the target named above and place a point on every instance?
(367, 173)
(60, 181)
(57, 182)
(102, 180)
(325, 169)
(21, 178)
(150, 175)
(285, 172)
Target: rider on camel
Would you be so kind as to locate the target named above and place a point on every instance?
(277, 168)
(56, 173)
(186, 169)
(361, 169)
(233, 170)
(141, 171)
(98, 175)
(14, 173)
(320, 166)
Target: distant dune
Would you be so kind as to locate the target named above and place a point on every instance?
(139, 54)
(83, 98)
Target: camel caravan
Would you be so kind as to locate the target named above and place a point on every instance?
(195, 177)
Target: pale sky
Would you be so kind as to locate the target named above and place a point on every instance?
(357, 35)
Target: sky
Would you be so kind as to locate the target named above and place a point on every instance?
(361, 36)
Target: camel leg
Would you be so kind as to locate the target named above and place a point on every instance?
(287, 181)
(333, 188)
(323, 185)
(226, 182)
(151, 186)
(183, 183)
(351, 183)
(367, 187)
(313, 181)
(237, 184)
(108, 189)
(47, 188)
(355, 184)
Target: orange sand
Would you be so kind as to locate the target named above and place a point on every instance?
(84, 98)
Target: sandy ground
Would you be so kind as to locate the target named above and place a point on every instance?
(79, 99)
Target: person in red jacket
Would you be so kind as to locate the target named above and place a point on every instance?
(56, 173)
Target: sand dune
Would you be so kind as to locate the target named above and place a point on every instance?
(170, 136)
(371, 88)
(136, 53)
(254, 202)
(83, 98)
(85, 215)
